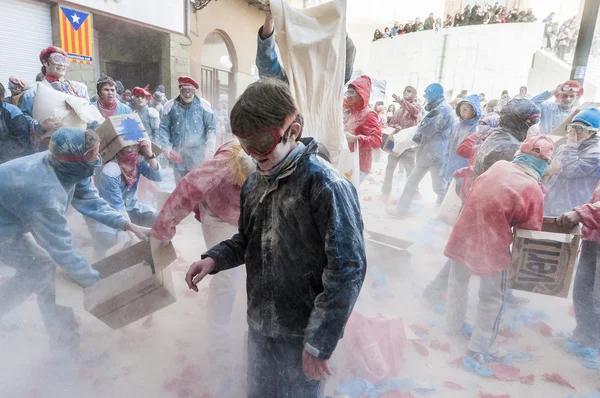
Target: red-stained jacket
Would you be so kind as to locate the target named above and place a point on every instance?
(364, 123)
(507, 195)
(407, 114)
(468, 149)
(214, 183)
(590, 217)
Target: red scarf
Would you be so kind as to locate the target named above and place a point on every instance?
(127, 161)
(107, 109)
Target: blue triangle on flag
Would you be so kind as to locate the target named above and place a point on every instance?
(76, 18)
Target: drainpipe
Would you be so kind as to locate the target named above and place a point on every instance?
(442, 65)
(584, 41)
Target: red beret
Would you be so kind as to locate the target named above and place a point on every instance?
(187, 81)
(49, 50)
(140, 91)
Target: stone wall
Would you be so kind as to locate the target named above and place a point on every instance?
(83, 73)
(178, 48)
(488, 58)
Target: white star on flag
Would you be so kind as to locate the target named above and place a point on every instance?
(75, 18)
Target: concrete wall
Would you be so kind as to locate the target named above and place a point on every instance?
(238, 23)
(547, 72)
(487, 59)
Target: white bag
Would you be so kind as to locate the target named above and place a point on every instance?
(349, 165)
(451, 206)
(71, 110)
(403, 140)
(312, 44)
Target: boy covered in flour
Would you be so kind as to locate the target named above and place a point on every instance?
(300, 235)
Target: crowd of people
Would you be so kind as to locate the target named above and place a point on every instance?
(305, 268)
(560, 39)
(472, 15)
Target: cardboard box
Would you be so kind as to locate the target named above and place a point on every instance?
(543, 261)
(120, 131)
(135, 283)
(398, 143)
(388, 254)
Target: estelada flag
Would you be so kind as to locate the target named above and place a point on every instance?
(76, 34)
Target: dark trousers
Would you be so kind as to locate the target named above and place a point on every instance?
(407, 159)
(275, 368)
(586, 314)
(35, 274)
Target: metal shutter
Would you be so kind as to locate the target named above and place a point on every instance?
(25, 29)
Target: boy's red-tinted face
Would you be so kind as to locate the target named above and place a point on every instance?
(568, 98)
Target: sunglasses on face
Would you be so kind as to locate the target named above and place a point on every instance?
(350, 93)
(579, 128)
(566, 89)
(58, 59)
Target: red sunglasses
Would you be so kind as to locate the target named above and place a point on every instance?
(262, 142)
(77, 158)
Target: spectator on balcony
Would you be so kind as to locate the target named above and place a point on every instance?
(395, 29)
(530, 16)
(467, 14)
(386, 33)
(554, 113)
(378, 35)
(449, 22)
(438, 24)
(563, 39)
(429, 23)
(549, 20)
(513, 16)
(458, 20)
(496, 7)
(416, 25)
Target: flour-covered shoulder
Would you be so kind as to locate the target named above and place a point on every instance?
(111, 169)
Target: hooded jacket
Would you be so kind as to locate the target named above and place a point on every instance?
(434, 130)
(575, 183)
(503, 143)
(408, 112)
(363, 122)
(14, 133)
(188, 129)
(301, 238)
(507, 195)
(34, 198)
(461, 130)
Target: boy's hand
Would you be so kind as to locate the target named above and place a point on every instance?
(315, 368)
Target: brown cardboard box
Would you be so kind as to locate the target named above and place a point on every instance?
(543, 261)
(120, 131)
(135, 282)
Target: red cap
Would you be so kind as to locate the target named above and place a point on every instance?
(572, 84)
(140, 91)
(187, 81)
(539, 146)
(49, 50)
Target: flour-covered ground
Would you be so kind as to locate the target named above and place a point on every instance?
(168, 355)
